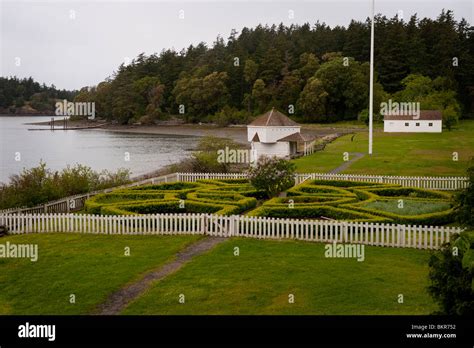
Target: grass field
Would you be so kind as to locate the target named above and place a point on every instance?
(260, 280)
(353, 124)
(421, 154)
(257, 282)
(88, 266)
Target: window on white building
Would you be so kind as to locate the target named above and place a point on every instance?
(417, 124)
(430, 124)
(406, 124)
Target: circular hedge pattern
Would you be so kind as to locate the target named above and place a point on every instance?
(225, 197)
(316, 199)
(358, 201)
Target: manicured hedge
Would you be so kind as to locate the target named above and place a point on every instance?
(339, 199)
(174, 186)
(224, 181)
(175, 207)
(319, 190)
(244, 203)
(223, 197)
(409, 193)
(340, 183)
(309, 200)
(436, 218)
(315, 212)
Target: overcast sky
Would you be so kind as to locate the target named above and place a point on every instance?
(72, 44)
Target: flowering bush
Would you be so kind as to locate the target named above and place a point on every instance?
(272, 175)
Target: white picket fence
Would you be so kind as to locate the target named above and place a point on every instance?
(193, 177)
(377, 234)
(424, 182)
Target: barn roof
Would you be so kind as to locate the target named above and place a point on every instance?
(424, 115)
(273, 118)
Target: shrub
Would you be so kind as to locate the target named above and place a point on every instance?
(38, 185)
(229, 115)
(342, 183)
(437, 218)
(244, 203)
(206, 158)
(221, 182)
(464, 211)
(307, 189)
(451, 276)
(450, 117)
(175, 186)
(312, 212)
(272, 175)
(363, 116)
(312, 200)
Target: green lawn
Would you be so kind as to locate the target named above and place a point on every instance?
(353, 124)
(89, 266)
(260, 280)
(421, 154)
(410, 207)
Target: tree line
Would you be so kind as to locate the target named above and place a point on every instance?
(316, 72)
(17, 93)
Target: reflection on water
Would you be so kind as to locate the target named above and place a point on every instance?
(96, 148)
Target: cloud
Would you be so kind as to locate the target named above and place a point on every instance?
(75, 44)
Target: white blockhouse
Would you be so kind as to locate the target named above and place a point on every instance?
(274, 134)
(429, 121)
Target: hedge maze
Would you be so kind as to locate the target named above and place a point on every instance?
(316, 199)
(359, 201)
(222, 197)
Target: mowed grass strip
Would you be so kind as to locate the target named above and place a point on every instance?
(261, 278)
(419, 154)
(88, 266)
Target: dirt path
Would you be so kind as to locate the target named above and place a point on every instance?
(354, 156)
(118, 300)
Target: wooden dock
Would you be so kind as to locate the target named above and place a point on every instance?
(66, 127)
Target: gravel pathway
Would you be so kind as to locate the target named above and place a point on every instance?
(354, 156)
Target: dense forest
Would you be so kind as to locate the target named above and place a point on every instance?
(314, 72)
(319, 73)
(26, 96)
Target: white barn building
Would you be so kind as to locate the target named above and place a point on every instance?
(429, 121)
(274, 134)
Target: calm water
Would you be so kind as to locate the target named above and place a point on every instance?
(96, 148)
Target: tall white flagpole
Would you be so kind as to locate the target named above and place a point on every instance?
(371, 87)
